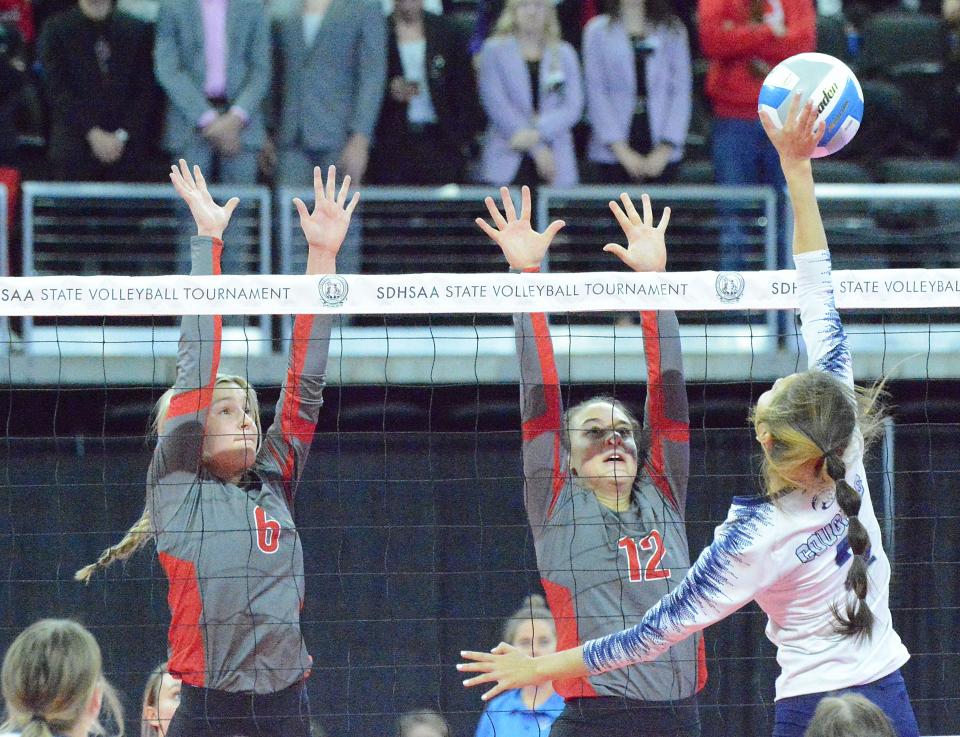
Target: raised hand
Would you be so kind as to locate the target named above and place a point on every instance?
(521, 244)
(505, 666)
(800, 134)
(646, 249)
(326, 227)
(211, 218)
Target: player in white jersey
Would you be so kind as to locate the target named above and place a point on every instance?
(808, 552)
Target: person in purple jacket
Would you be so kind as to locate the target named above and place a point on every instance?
(220, 500)
(636, 61)
(532, 92)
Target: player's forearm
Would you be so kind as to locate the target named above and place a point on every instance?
(808, 233)
(561, 664)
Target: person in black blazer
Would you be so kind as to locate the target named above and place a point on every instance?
(98, 77)
(430, 111)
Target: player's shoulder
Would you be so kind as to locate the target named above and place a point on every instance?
(751, 523)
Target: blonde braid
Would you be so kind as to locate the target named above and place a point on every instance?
(136, 537)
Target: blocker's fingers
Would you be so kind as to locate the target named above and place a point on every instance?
(664, 219)
(617, 250)
(331, 182)
(477, 655)
(555, 227)
(629, 208)
(486, 228)
(477, 680)
(301, 208)
(647, 209)
(525, 206)
(620, 215)
(495, 213)
(508, 208)
(354, 201)
(344, 190)
(317, 184)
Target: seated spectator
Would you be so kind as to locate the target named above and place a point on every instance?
(214, 64)
(530, 710)
(532, 92)
(636, 61)
(53, 682)
(100, 88)
(13, 80)
(849, 715)
(422, 723)
(429, 113)
(161, 697)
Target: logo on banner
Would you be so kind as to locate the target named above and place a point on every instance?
(730, 286)
(333, 290)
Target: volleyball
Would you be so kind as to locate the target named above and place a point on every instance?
(829, 83)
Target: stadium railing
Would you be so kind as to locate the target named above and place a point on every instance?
(78, 229)
(72, 228)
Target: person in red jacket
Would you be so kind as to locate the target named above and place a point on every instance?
(743, 40)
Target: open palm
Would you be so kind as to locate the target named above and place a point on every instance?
(523, 247)
(801, 132)
(211, 218)
(646, 246)
(326, 227)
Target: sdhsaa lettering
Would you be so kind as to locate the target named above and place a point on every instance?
(412, 292)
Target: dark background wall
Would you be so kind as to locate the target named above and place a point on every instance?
(416, 543)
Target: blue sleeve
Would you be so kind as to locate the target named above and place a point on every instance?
(726, 576)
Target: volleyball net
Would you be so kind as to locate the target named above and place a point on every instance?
(415, 539)
(410, 509)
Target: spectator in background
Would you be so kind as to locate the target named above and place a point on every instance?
(13, 81)
(422, 723)
(743, 40)
(332, 70)
(849, 715)
(19, 14)
(531, 710)
(532, 92)
(161, 697)
(212, 59)
(636, 60)
(429, 113)
(951, 14)
(571, 14)
(100, 90)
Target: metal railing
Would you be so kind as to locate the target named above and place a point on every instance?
(133, 229)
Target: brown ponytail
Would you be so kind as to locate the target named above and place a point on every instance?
(136, 538)
(857, 618)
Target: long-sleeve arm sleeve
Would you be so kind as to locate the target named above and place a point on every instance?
(726, 576)
(287, 442)
(540, 413)
(823, 332)
(667, 411)
(180, 443)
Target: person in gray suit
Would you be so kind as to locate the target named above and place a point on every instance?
(213, 60)
(332, 69)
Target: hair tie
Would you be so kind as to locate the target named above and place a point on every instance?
(38, 718)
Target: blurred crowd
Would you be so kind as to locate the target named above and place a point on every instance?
(424, 92)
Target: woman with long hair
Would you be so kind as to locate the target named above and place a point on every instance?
(809, 550)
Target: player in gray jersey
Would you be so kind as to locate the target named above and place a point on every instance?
(605, 498)
(220, 500)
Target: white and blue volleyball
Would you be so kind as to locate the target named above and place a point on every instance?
(831, 85)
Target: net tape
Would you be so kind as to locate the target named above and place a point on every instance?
(464, 293)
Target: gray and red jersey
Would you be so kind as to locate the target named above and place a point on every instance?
(602, 570)
(232, 555)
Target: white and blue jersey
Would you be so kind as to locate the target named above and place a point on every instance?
(790, 556)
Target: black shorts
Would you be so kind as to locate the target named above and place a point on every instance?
(615, 716)
(206, 712)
